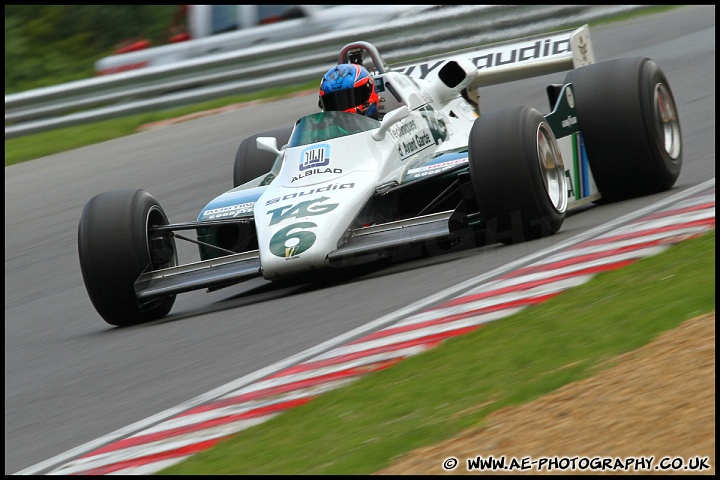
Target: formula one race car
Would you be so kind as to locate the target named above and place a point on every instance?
(344, 189)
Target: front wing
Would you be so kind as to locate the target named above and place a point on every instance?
(229, 270)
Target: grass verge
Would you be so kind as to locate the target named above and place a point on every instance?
(433, 396)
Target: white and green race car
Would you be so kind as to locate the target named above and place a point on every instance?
(345, 189)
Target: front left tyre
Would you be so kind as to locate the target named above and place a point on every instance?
(116, 243)
(630, 126)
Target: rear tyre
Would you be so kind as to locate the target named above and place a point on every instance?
(116, 245)
(250, 162)
(517, 175)
(630, 126)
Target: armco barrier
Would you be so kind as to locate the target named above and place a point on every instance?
(432, 31)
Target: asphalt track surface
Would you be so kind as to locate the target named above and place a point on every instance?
(70, 378)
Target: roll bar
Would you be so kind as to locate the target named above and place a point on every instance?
(358, 52)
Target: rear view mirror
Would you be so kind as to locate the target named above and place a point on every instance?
(390, 119)
(268, 144)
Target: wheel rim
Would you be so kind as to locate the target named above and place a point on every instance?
(160, 247)
(552, 168)
(667, 119)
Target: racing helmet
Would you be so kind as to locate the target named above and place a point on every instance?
(349, 88)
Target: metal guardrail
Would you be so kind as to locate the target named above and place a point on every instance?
(432, 31)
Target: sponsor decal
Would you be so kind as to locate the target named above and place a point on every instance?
(437, 168)
(414, 144)
(536, 51)
(315, 156)
(570, 121)
(303, 209)
(501, 55)
(436, 121)
(229, 211)
(411, 138)
(402, 129)
(289, 242)
(326, 188)
(316, 171)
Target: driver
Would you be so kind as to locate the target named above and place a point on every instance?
(349, 87)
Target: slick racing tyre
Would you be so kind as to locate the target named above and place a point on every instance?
(251, 162)
(517, 175)
(630, 126)
(115, 245)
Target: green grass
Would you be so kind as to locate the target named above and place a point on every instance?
(360, 428)
(30, 147)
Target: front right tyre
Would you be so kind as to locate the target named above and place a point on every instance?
(116, 243)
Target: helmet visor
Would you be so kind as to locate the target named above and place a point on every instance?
(343, 100)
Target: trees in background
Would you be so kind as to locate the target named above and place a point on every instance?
(52, 44)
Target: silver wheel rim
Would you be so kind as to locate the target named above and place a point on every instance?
(552, 168)
(667, 120)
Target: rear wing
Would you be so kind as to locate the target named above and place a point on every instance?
(515, 59)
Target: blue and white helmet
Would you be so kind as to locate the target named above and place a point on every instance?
(349, 88)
